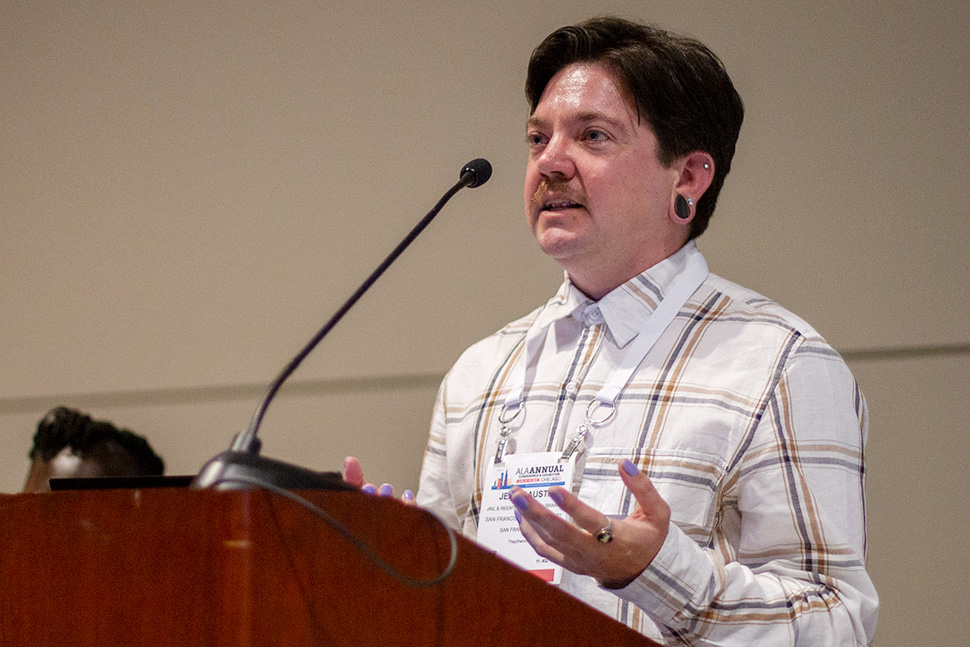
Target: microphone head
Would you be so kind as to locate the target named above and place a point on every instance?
(476, 173)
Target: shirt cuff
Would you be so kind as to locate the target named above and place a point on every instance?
(679, 572)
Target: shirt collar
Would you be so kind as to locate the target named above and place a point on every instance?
(626, 309)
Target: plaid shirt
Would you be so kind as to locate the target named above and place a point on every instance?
(750, 426)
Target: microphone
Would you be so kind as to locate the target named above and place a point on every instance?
(476, 173)
(242, 464)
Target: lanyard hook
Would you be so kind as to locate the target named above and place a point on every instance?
(505, 418)
(603, 417)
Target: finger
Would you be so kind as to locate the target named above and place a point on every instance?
(554, 530)
(538, 543)
(353, 471)
(652, 505)
(408, 498)
(386, 489)
(586, 517)
(558, 540)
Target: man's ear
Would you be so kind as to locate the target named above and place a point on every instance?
(696, 174)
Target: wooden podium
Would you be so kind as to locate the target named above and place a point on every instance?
(249, 568)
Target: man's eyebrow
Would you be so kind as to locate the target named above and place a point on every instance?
(582, 117)
(593, 115)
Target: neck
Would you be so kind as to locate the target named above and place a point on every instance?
(597, 280)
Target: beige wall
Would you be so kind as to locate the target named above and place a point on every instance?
(188, 190)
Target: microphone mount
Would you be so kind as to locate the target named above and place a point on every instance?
(241, 464)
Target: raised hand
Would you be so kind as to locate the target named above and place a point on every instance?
(354, 474)
(614, 551)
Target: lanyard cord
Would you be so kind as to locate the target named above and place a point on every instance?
(681, 289)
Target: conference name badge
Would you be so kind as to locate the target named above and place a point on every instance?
(497, 528)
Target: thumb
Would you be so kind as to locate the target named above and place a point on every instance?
(652, 505)
(353, 471)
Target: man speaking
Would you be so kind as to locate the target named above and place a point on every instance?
(713, 441)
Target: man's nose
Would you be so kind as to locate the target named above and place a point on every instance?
(556, 159)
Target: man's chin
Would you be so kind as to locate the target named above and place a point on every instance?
(559, 244)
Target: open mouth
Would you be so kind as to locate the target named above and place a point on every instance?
(559, 205)
(556, 196)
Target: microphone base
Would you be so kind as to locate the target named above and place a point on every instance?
(233, 470)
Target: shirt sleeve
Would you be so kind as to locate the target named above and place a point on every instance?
(793, 572)
(434, 490)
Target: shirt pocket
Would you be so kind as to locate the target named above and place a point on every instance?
(689, 481)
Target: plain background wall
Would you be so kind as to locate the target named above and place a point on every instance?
(188, 190)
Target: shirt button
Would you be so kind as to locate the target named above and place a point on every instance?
(570, 387)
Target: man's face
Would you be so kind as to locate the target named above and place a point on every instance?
(596, 195)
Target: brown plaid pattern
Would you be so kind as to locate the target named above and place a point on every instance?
(749, 425)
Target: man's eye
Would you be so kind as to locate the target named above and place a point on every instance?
(596, 135)
(534, 139)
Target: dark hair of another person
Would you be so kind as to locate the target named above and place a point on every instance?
(678, 85)
(119, 451)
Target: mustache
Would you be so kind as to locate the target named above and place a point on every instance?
(555, 186)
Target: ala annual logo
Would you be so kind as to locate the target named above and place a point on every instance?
(540, 470)
(502, 482)
(540, 475)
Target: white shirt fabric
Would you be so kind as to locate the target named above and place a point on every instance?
(750, 426)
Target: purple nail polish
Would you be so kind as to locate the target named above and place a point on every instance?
(629, 467)
(408, 495)
(369, 489)
(520, 502)
(518, 517)
(386, 489)
(556, 496)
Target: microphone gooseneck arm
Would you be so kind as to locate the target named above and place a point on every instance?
(474, 174)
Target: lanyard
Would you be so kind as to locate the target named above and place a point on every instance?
(603, 405)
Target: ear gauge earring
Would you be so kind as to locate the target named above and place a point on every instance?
(706, 166)
(682, 206)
